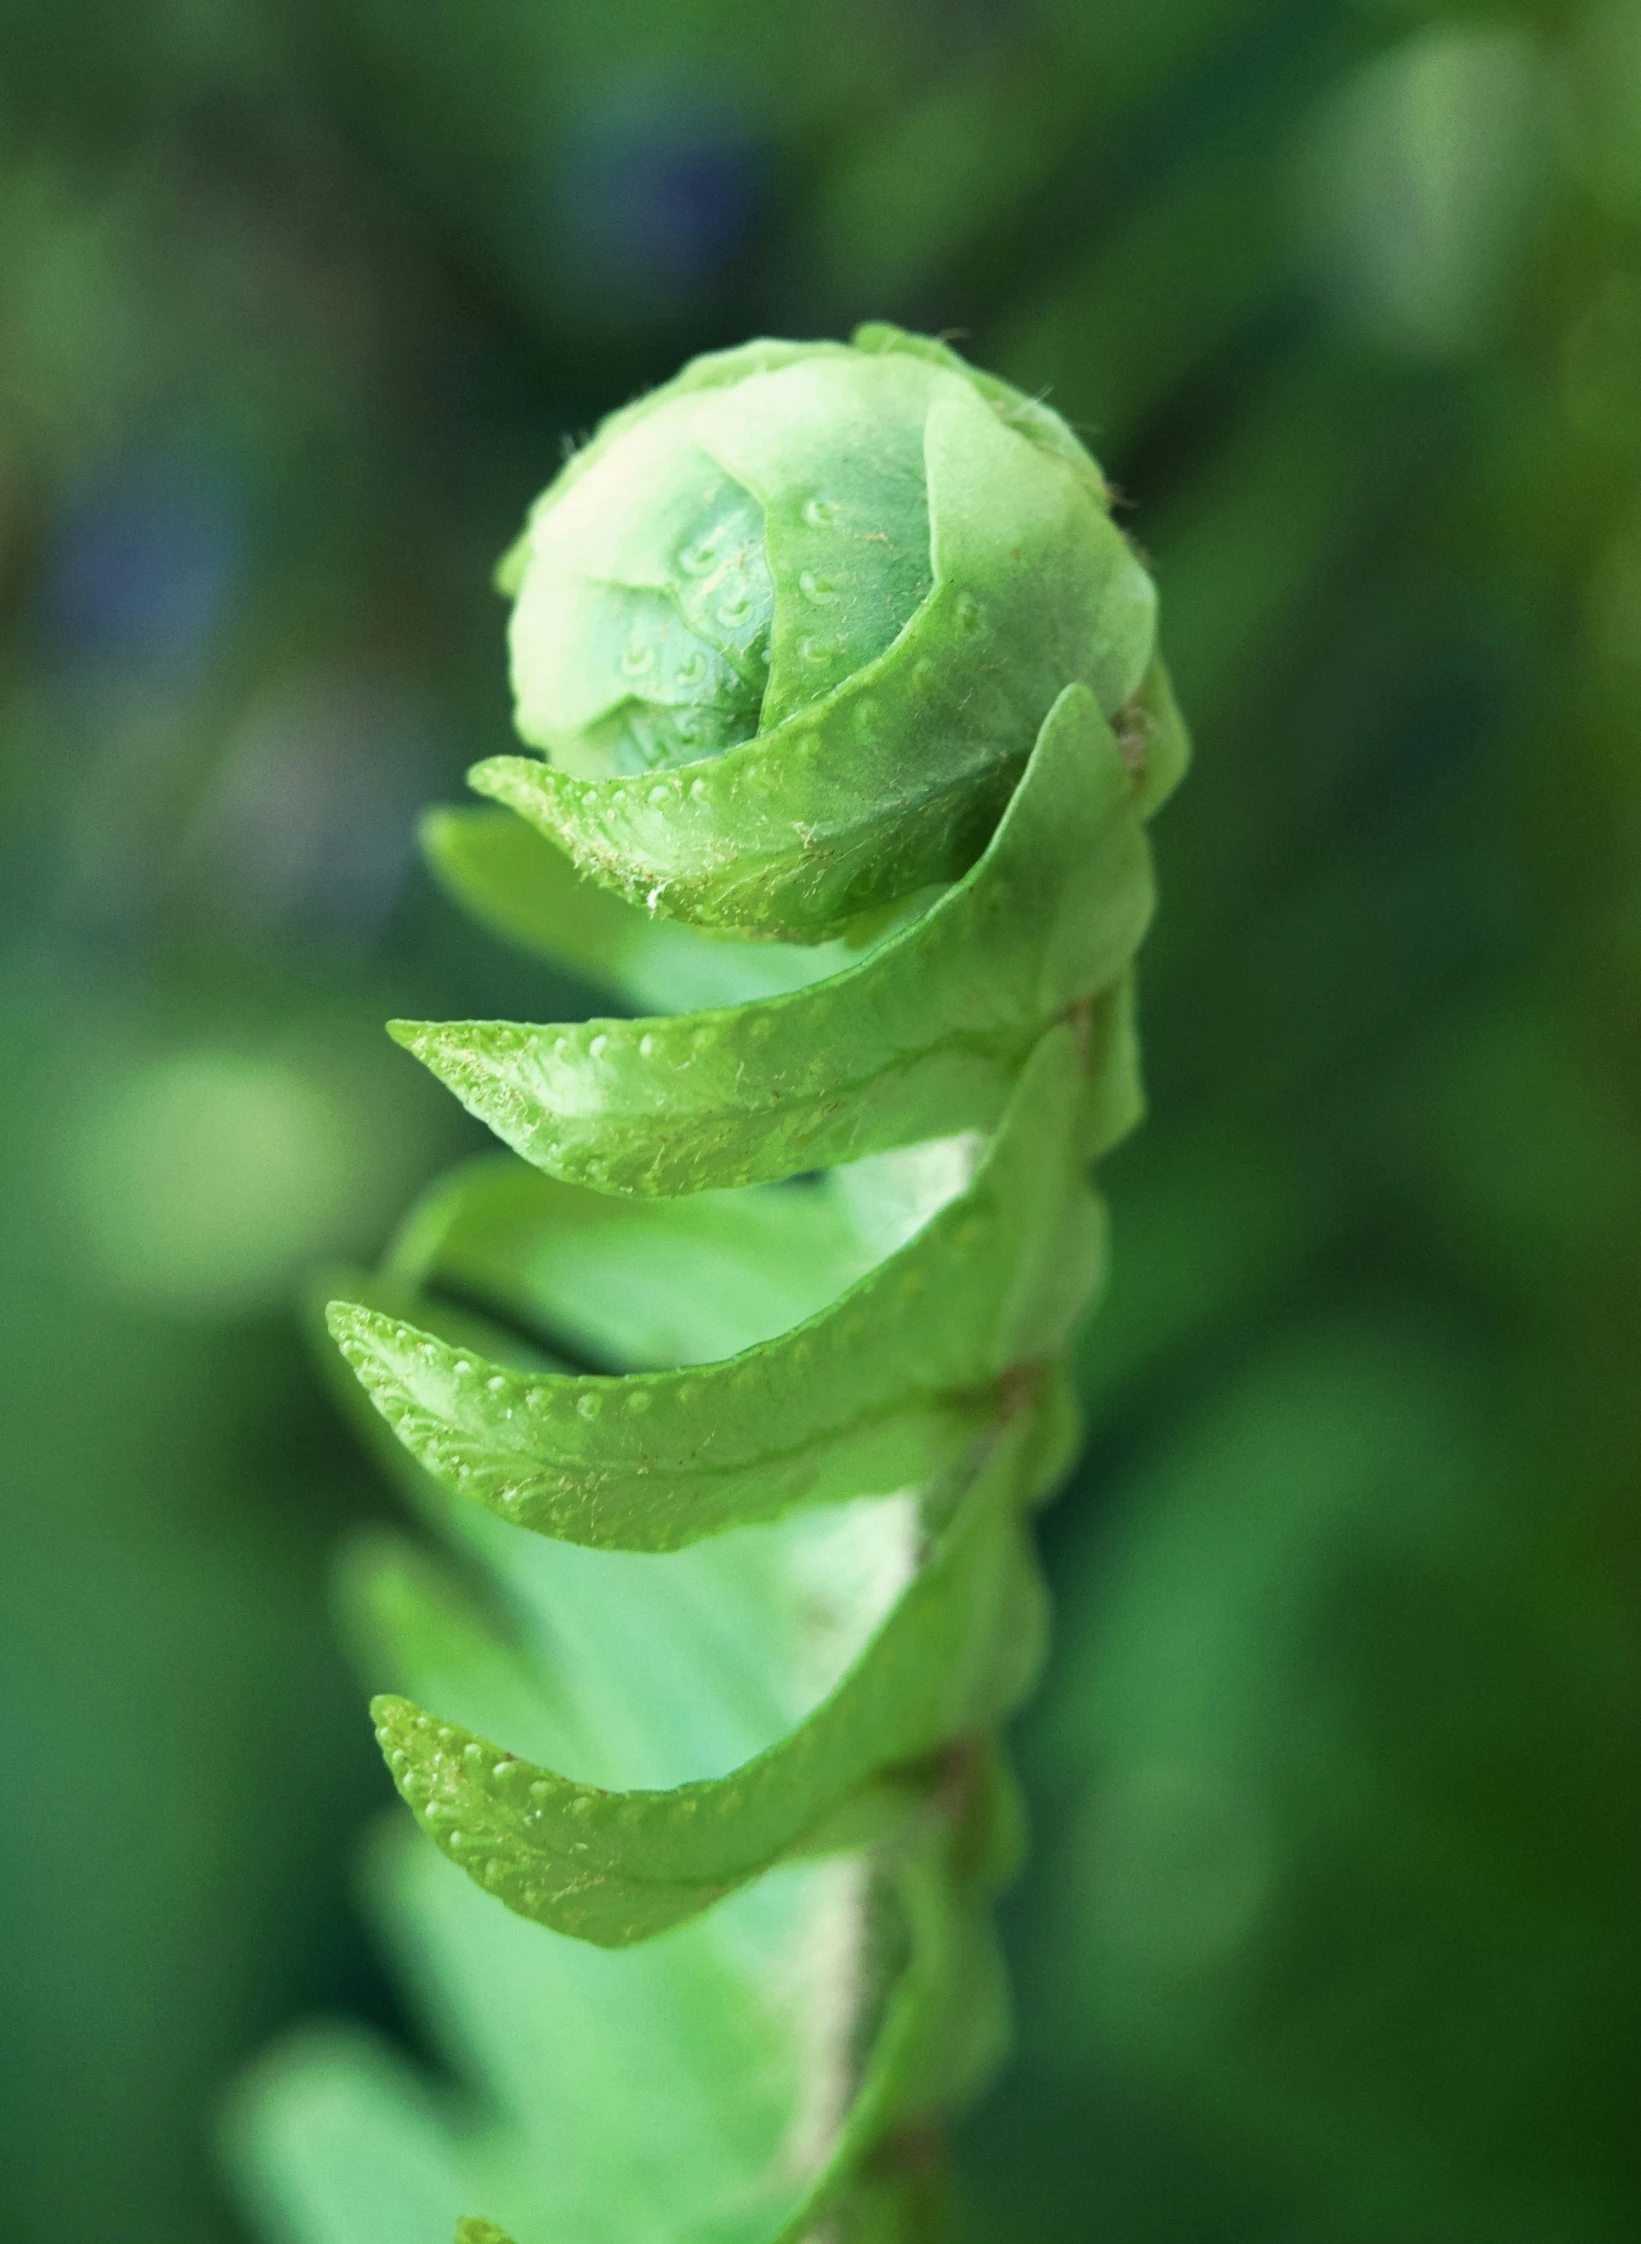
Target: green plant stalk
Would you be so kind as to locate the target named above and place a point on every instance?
(854, 712)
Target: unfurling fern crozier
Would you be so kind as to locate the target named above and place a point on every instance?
(850, 715)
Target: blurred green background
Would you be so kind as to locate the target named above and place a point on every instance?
(1331, 1933)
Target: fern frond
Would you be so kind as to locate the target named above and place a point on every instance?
(714, 1681)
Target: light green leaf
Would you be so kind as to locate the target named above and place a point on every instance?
(340, 2140)
(524, 888)
(640, 633)
(923, 1038)
(1029, 415)
(894, 779)
(632, 1670)
(628, 1670)
(533, 1452)
(863, 1399)
(755, 2100)
(414, 1619)
(710, 371)
(838, 471)
(645, 1284)
(960, 1647)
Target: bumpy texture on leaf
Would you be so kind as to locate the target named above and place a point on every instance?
(957, 1651)
(863, 1398)
(853, 714)
(788, 630)
(921, 1039)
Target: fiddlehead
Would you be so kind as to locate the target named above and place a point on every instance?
(850, 694)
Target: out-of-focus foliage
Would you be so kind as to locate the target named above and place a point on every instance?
(1328, 1931)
